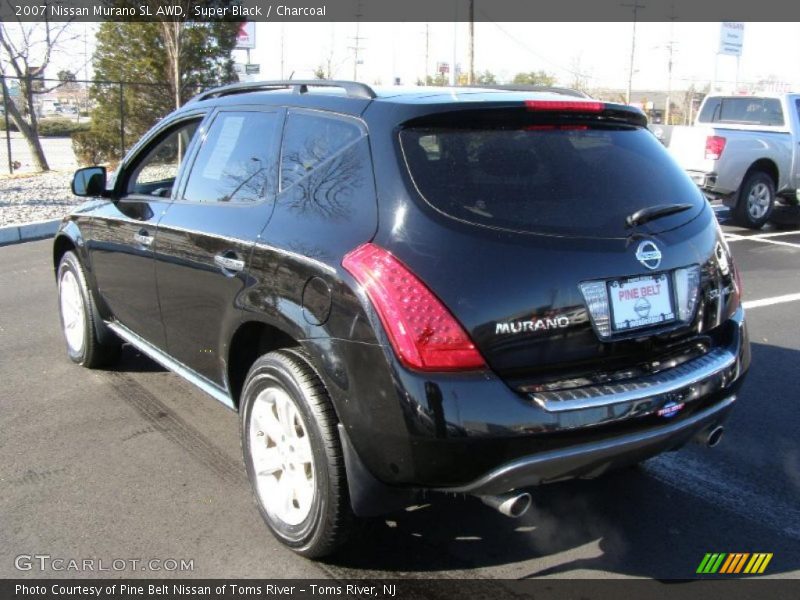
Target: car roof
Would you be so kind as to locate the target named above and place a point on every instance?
(395, 103)
(290, 92)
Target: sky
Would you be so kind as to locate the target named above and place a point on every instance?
(598, 51)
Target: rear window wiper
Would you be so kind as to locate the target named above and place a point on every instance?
(650, 213)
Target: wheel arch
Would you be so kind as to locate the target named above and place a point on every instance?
(764, 165)
(252, 339)
(61, 245)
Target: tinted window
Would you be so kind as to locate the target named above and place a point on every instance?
(744, 110)
(580, 181)
(311, 140)
(155, 174)
(237, 161)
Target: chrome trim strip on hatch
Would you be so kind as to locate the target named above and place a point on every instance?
(678, 379)
(173, 365)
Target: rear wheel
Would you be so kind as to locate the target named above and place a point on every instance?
(89, 342)
(756, 200)
(293, 454)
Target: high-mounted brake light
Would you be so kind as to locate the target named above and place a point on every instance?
(715, 144)
(422, 331)
(565, 106)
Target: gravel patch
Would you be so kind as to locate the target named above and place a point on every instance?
(36, 197)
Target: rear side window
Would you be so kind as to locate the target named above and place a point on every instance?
(577, 181)
(238, 159)
(311, 141)
(743, 111)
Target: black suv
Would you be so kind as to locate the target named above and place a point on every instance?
(405, 292)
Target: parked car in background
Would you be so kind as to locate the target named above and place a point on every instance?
(743, 150)
(413, 292)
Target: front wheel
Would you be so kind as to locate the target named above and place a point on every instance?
(756, 201)
(293, 454)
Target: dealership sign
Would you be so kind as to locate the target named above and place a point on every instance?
(246, 38)
(731, 38)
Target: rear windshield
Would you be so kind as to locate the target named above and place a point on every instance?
(742, 111)
(580, 181)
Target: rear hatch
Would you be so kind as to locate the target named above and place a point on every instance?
(527, 237)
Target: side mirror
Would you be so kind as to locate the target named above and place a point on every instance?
(90, 181)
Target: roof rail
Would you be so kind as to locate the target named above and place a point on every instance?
(524, 87)
(353, 89)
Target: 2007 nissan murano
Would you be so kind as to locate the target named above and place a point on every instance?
(411, 291)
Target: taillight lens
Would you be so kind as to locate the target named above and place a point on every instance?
(687, 286)
(715, 144)
(422, 331)
(565, 106)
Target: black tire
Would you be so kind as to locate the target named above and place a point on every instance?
(99, 347)
(756, 200)
(330, 520)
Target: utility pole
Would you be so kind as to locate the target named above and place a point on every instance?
(471, 42)
(283, 50)
(454, 69)
(671, 49)
(356, 47)
(427, 49)
(635, 8)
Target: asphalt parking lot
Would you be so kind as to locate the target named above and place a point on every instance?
(134, 463)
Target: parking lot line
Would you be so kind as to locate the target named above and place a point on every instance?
(733, 237)
(770, 301)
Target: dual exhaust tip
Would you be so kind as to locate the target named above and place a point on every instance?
(516, 504)
(511, 504)
(710, 437)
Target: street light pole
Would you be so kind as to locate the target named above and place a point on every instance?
(635, 8)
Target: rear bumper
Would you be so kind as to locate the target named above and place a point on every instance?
(472, 433)
(593, 459)
(703, 180)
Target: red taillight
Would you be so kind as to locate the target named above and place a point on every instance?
(565, 106)
(715, 144)
(421, 330)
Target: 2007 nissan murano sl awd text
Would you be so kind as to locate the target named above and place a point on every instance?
(405, 292)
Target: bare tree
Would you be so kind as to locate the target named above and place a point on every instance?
(26, 50)
(173, 41)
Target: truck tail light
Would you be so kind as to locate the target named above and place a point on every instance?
(422, 332)
(715, 144)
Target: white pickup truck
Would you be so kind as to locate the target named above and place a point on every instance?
(744, 150)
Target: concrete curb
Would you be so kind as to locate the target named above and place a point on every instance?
(26, 232)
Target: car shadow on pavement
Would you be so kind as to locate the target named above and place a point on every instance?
(133, 361)
(628, 522)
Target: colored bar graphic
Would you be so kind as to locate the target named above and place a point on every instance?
(734, 563)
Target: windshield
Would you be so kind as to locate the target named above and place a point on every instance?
(577, 181)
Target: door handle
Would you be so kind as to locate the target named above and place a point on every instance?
(143, 238)
(228, 262)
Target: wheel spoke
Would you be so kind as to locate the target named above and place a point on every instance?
(267, 422)
(302, 450)
(285, 414)
(304, 493)
(285, 495)
(267, 461)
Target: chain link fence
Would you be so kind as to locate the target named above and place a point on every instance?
(63, 111)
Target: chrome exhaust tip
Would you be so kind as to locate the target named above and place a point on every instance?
(511, 504)
(715, 436)
(710, 437)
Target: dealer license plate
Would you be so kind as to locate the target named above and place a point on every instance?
(641, 301)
